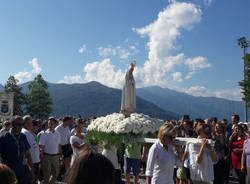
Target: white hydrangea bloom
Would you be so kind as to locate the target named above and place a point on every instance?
(118, 123)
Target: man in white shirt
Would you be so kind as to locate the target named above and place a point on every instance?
(50, 152)
(34, 147)
(64, 131)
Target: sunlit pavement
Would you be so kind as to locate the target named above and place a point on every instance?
(142, 180)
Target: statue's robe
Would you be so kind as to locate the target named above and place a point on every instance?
(128, 104)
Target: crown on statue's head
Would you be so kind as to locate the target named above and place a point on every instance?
(133, 63)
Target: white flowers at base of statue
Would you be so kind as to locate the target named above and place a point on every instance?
(138, 124)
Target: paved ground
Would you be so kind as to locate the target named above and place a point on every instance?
(142, 180)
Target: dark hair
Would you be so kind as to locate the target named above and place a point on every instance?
(203, 128)
(224, 121)
(44, 124)
(67, 118)
(237, 117)
(240, 128)
(79, 121)
(35, 122)
(7, 175)
(15, 119)
(91, 168)
(185, 117)
(199, 120)
(214, 119)
(220, 126)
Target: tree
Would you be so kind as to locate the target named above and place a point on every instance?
(245, 84)
(19, 97)
(39, 102)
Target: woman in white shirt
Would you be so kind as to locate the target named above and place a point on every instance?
(161, 158)
(77, 140)
(202, 157)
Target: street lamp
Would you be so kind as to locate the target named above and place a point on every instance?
(244, 43)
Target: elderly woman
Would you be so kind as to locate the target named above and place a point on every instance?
(161, 157)
(202, 157)
(245, 159)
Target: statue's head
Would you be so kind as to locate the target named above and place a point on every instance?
(133, 64)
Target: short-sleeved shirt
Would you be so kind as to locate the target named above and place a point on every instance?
(12, 150)
(64, 133)
(203, 171)
(50, 141)
(34, 147)
(133, 151)
(74, 139)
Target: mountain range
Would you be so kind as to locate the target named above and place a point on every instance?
(197, 107)
(95, 99)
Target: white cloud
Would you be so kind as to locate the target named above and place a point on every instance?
(35, 65)
(106, 51)
(177, 76)
(122, 53)
(23, 76)
(132, 47)
(104, 72)
(71, 79)
(161, 63)
(27, 75)
(196, 90)
(100, 71)
(82, 49)
(155, 73)
(163, 34)
(231, 94)
(196, 64)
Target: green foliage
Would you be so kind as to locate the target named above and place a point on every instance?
(245, 84)
(39, 103)
(109, 139)
(19, 97)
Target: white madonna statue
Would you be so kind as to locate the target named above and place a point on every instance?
(128, 103)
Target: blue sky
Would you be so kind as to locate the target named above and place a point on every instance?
(189, 46)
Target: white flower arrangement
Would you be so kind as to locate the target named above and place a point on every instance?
(138, 124)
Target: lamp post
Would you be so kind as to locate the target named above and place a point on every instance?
(244, 43)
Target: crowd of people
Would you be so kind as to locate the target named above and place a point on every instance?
(206, 162)
(36, 150)
(54, 149)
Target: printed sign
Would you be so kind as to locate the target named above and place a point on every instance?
(6, 105)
